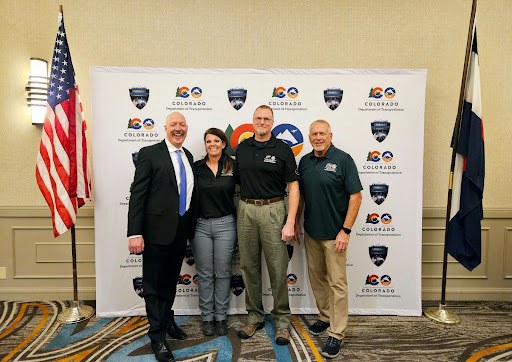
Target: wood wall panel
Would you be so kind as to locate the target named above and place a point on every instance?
(39, 265)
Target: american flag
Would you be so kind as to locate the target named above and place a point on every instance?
(62, 168)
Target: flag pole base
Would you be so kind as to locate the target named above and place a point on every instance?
(76, 313)
(442, 315)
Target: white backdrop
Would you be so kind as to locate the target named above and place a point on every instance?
(384, 258)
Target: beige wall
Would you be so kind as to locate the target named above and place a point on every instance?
(259, 34)
(263, 34)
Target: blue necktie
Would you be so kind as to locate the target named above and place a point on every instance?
(183, 185)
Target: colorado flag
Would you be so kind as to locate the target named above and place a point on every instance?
(464, 234)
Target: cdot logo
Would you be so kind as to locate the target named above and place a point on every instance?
(373, 156)
(385, 280)
(386, 219)
(389, 93)
(185, 279)
(137, 124)
(281, 92)
(375, 218)
(292, 279)
(376, 156)
(372, 218)
(185, 92)
(378, 93)
(374, 279)
(148, 124)
(387, 156)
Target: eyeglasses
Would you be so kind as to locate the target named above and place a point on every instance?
(262, 119)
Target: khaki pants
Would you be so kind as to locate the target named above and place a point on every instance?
(259, 228)
(328, 279)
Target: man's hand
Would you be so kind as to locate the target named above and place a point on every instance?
(136, 245)
(341, 242)
(288, 231)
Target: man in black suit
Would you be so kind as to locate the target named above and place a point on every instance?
(159, 223)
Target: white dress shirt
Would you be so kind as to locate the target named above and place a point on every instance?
(188, 169)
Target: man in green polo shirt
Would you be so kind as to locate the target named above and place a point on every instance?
(331, 192)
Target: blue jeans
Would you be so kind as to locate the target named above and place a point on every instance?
(213, 246)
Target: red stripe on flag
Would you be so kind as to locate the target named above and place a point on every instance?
(71, 112)
(59, 159)
(57, 178)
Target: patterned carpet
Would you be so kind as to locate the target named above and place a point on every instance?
(29, 331)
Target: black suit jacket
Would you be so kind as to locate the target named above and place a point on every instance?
(154, 199)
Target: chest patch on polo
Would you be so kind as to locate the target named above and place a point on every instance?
(331, 167)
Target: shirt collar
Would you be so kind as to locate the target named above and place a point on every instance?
(202, 161)
(171, 147)
(270, 143)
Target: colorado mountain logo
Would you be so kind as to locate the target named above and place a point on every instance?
(137, 286)
(379, 192)
(380, 130)
(378, 254)
(332, 97)
(290, 135)
(139, 96)
(237, 284)
(237, 97)
(189, 257)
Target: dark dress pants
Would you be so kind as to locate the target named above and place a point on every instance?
(161, 266)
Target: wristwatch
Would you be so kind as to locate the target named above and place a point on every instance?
(346, 230)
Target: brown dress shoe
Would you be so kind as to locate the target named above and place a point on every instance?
(249, 329)
(282, 336)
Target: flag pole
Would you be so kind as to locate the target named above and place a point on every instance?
(442, 314)
(75, 313)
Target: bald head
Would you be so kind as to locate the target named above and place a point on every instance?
(176, 128)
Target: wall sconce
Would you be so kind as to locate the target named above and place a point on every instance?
(37, 89)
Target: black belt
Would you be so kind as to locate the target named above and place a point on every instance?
(261, 202)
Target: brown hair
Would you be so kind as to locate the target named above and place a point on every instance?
(227, 161)
(264, 106)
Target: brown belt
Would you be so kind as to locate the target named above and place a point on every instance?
(261, 202)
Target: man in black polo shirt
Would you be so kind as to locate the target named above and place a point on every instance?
(265, 166)
(331, 191)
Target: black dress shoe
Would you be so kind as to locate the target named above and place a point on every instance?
(162, 352)
(222, 327)
(175, 332)
(208, 328)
